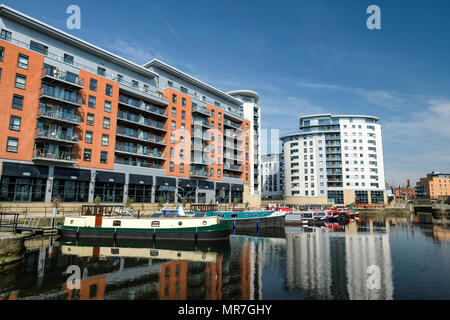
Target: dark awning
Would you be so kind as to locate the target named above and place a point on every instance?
(24, 170)
(165, 181)
(205, 185)
(113, 177)
(224, 186)
(72, 174)
(140, 179)
(237, 187)
(184, 183)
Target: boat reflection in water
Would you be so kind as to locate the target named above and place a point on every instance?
(147, 270)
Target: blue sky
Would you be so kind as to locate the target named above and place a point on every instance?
(302, 57)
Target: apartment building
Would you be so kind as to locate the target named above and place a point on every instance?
(81, 122)
(272, 176)
(334, 159)
(434, 186)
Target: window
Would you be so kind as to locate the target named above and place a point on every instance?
(181, 167)
(135, 84)
(181, 154)
(68, 58)
(12, 144)
(21, 81)
(183, 115)
(22, 61)
(103, 157)
(0, 73)
(172, 138)
(173, 125)
(87, 155)
(106, 123)
(93, 85)
(17, 102)
(170, 84)
(183, 126)
(219, 115)
(119, 78)
(174, 112)
(183, 102)
(40, 48)
(2, 53)
(90, 119)
(172, 167)
(107, 106)
(182, 141)
(91, 102)
(172, 152)
(183, 89)
(109, 90)
(105, 140)
(5, 35)
(88, 138)
(101, 71)
(218, 172)
(174, 98)
(14, 123)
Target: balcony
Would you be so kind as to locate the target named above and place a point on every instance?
(140, 152)
(201, 110)
(142, 106)
(199, 161)
(333, 158)
(232, 136)
(64, 97)
(44, 134)
(148, 92)
(198, 173)
(141, 121)
(60, 157)
(201, 122)
(232, 167)
(58, 116)
(141, 136)
(136, 163)
(54, 75)
(200, 135)
(233, 146)
(231, 124)
(201, 147)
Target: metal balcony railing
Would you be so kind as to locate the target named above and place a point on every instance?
(63, 96)
(45, 154)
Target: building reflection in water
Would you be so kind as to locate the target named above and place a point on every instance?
(334, 265)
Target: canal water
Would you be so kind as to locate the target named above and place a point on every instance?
(379, 259)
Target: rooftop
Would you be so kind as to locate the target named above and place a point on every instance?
(245, 93)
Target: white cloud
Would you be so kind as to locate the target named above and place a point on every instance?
(389, 100)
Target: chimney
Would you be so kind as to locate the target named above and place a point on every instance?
(408, 186)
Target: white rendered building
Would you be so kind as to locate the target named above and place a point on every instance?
(335, 159)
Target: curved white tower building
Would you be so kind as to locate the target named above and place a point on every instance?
(334, 159)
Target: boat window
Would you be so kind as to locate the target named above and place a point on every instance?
(255, 215)
(155, 223)
(234, 215)
(153, 253)
(117, 223)
(265, 214)
(246, 215)
(114, 250)
(221, 215)
(204, 222)
(180, 223)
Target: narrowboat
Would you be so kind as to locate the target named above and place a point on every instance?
(108, 222)
(254, 219)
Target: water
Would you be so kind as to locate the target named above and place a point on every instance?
(368, 259)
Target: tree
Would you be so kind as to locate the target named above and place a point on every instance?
(160, 201)
(235, 202)
(129, 202)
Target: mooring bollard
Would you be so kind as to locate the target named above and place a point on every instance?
(55, 211)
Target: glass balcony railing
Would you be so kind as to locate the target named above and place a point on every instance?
(141, 105)
(46, 154)
(141, 120)
(141, 136)
(58, 115)
(198, 172)
(140, 151)
(56, 135)
(136, 163)
(227, 166)
(65, 76)
(201, 122)
(201, 109)
(61, 95)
